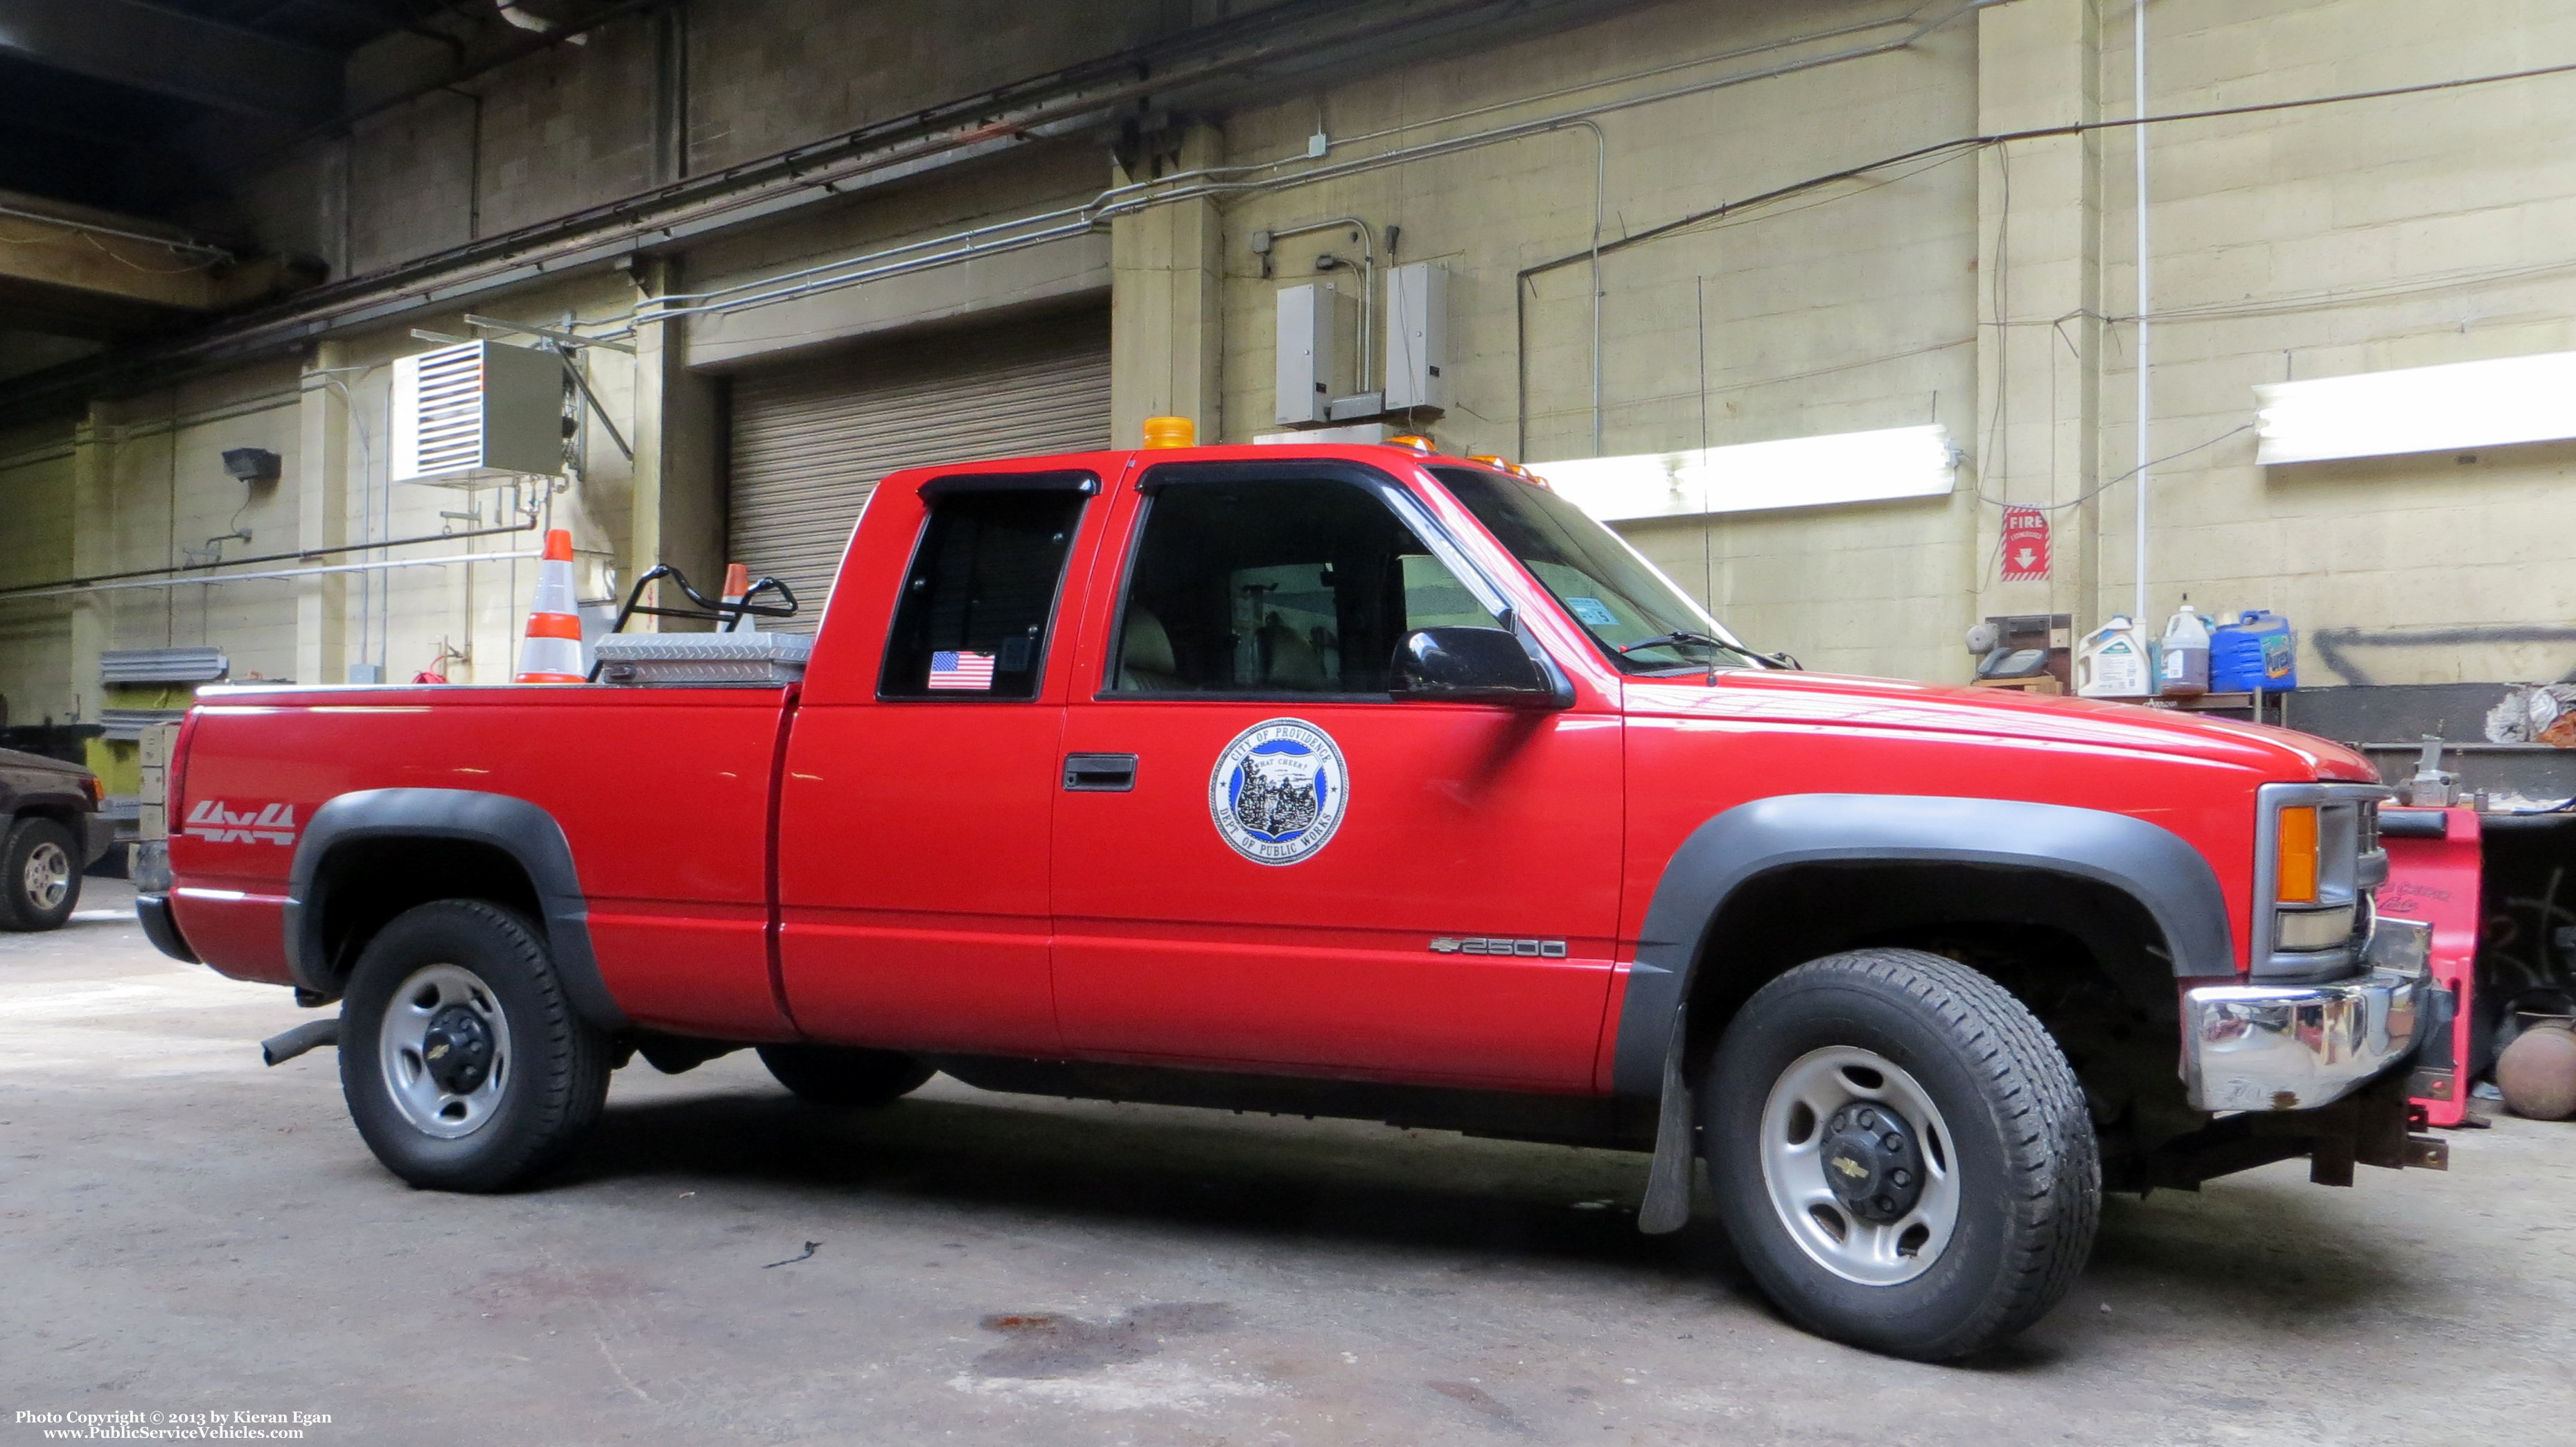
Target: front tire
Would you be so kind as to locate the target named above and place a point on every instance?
(1901, 1153)
(844, 1077)
(40, 875)
(464, 1067)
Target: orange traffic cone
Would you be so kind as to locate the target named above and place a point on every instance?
(737, 585)
(552, 650)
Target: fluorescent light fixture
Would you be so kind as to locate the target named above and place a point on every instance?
(2418, 409)
(1795, 472)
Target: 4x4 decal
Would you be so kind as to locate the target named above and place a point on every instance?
(211, 821)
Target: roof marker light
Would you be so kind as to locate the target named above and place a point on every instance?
(1414, 440)
(1171, 432)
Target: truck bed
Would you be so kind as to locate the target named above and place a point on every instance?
(666, 797)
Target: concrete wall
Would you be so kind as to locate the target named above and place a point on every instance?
(1993, 291)
(2347, 238)
(36, 476)
(1856, 313)
(847, 66)
(576, 126)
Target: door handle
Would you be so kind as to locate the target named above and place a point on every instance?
(1100, 773)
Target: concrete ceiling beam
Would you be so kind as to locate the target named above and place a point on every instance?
(166, 53)
(75, 277)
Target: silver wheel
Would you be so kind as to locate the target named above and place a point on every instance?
(1859, 1165)
(48, 876)
(445, 1049)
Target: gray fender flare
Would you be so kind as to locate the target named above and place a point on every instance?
(2166, 876)
(519, 829)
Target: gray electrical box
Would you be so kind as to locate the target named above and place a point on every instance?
(1417, 336)
(1316, 323)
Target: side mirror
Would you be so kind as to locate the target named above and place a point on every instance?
(1469, 665)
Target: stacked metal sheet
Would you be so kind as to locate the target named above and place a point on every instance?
(163, 665)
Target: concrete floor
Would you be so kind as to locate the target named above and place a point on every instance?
(184, 1230)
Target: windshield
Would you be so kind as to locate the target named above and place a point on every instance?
(1642, 622)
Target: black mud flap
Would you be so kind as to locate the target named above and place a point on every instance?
(1667, 1206)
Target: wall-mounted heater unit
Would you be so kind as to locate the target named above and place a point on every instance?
(477, 413)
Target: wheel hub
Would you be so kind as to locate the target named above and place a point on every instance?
(457, 1049)
(48, 875)
(1873, 1163)
(1859, 1165)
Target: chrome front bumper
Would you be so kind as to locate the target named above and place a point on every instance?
(2293, 1047)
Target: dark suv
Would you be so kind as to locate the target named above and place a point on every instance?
(50, 830)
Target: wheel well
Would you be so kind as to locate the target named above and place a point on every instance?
(2083, 955)
(364, 883)
(68, 817)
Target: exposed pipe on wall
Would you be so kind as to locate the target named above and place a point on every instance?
(2146, 392)
(56, 585)
(367, 567)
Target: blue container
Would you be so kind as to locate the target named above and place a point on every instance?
(2259, 650)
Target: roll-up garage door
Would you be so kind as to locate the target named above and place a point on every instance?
(810, 440)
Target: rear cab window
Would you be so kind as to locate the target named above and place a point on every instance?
(978, 601)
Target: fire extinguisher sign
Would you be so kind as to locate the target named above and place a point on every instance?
(2025, 544)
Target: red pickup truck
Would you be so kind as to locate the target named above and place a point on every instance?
(1354, 781)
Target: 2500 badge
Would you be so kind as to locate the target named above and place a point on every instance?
(1496, 945)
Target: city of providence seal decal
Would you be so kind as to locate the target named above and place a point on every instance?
(1278, 791)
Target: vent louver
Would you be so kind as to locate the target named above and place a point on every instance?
(477, 412)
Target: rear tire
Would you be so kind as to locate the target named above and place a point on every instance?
(40, 875)
(845, 1077)
(463, 1064)
(1880, 1100)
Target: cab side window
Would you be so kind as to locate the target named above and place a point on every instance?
(1298, 586)
(980, 596)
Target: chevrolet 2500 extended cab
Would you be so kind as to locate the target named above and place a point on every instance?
(1350, 781)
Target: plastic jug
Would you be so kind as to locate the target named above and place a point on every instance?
(2184, 654)
(2116, 660)
(2257, 650)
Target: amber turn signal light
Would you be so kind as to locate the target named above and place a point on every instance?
(2294, 857)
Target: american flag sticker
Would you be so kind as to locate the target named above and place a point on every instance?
(971, 671)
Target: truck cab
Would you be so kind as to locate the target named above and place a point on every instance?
(1346, 780)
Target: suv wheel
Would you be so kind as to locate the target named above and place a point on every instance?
(844, 1077)
(463, 1065)
(1901, 1153)
(40, 878)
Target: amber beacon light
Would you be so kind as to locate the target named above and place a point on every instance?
(1170, 432)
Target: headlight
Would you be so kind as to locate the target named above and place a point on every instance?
(2316, 859)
